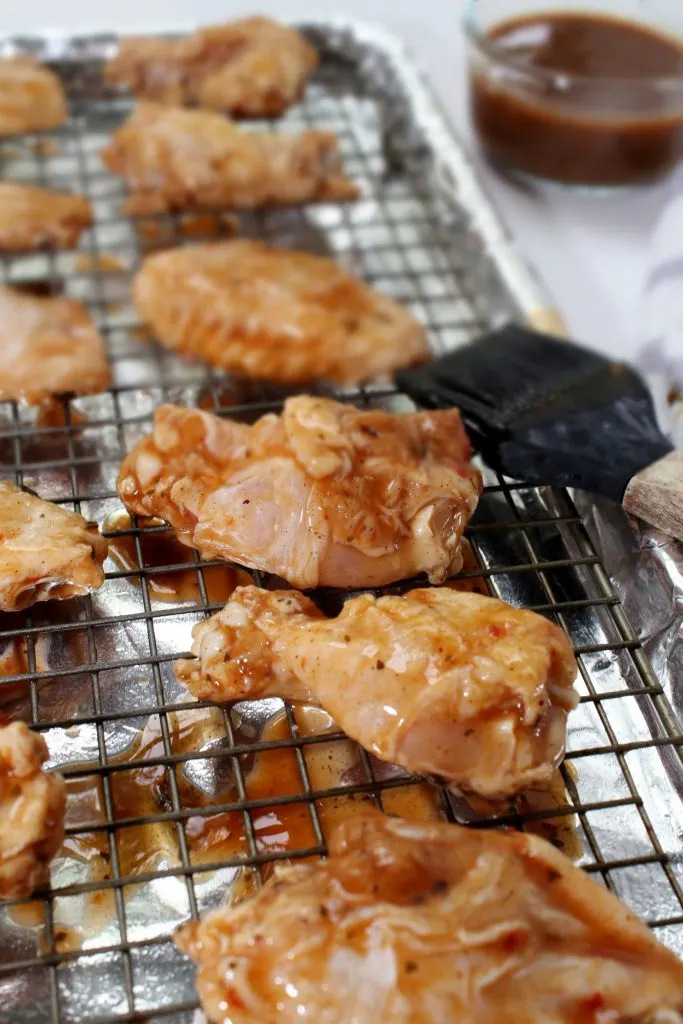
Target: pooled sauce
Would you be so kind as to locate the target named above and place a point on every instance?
(53, 413)
(556, 103)
(140, 333)
(15, 661)
(46, 148)
(559, 829)
(144, 791)
(100, 263)
(275, 773)
(39, 287)
(164, 233)
(550, 802)
(163, 549)
(28, 915)
(470, 584)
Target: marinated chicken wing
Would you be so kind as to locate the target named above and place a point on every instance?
(35, 218)
(323, 495)
(49, 346)
(32, 806)
(47, 553)
(173, 159)
(253, 67)
(284, 316)
(31, 97)
(432, 923)
(441, 682)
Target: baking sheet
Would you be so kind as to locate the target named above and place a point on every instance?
(172, 803)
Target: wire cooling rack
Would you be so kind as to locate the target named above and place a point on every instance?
(173, 804)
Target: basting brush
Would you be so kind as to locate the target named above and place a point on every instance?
(548, 411)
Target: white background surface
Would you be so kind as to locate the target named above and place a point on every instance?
(591, 252)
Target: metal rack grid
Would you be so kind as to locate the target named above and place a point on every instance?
(97, 679)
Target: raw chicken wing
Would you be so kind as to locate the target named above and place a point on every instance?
(47, 552)
(31, 97)
(32, 806)
(278, 315)
(49, 346)
(445, 683)
(252, 67)
(35, 218)
(410, 923)
(323, 495)
(173, 159)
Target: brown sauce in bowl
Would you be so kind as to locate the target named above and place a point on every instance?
(579, 98)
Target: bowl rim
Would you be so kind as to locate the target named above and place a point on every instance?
(487, 47)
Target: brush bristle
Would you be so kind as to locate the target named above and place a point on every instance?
(546, 410)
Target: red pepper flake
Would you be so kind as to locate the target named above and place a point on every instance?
(232, 999)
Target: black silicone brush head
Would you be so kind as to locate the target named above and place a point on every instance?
(545, 410)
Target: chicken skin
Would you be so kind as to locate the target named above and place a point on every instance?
(273, 314)
(32, 804)
(47, 552)
(431, 923)
(31, 97)
(175, 159)
(35, 218)
(253, 67)
(49, 346)
(444, 683)
(323, 495)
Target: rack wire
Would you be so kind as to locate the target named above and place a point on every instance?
(96, 677)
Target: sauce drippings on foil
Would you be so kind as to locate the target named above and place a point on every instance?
(139, 795)
(102, 263)
(164, 232)
(550, 801)
(13, 662)
(559, 829)
(284, 781)
(470, 584)
(56, 414)
(160, 549)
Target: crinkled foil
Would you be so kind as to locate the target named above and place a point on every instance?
(646, 566)
(646, 569)
(425, 233)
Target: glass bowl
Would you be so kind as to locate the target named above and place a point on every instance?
(543, 106)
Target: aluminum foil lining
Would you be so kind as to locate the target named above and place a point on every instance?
(95, 675)
(646, 569)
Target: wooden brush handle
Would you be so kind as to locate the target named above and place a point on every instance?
(656, 494)
(547, 320)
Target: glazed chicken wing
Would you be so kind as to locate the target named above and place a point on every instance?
(32, 806)
(441, 682)
(49, 346)
(47, 552)
(432, 924)
(172, 159)
(323, 495)
(31, 97)
(277, 315)
(252, 67)
(35, 218)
